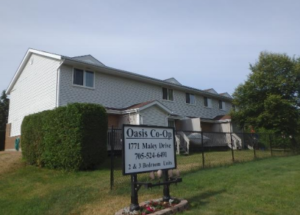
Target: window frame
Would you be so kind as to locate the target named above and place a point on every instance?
(188, 98)
(168, 90)
(222, 105)
(208, 102)
(84, 85)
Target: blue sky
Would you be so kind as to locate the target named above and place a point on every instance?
(203, 44)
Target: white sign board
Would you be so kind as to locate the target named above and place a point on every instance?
(148, 148)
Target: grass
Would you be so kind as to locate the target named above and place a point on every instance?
(264, 186)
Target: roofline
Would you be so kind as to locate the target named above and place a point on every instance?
(156, 103)
(130, 75)
(22, 65)
(109, 70)
(215, 120)
(135, 110)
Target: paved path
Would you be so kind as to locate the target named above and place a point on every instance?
(10, 161)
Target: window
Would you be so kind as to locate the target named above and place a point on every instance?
(83, 78)
(168, 94)
(207, 102)
(221, 105)
(190, 98)
(171, 123)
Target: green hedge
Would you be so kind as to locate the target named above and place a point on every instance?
(71, 137)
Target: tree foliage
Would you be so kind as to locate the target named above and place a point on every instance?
(4, 103)
(269, 98)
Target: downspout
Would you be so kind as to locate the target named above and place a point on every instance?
(58, 82)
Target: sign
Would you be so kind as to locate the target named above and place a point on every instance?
(148, 148)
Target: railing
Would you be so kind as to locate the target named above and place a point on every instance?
(206, 149)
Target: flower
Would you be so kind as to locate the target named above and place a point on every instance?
(150, 209)
(152, 206)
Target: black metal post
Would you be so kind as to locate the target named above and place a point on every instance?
(270, 141)
(134, 194)
(111, 137)
(232, 152)
(166, 192)
(203, 159)
(254, 146)
(244, 143)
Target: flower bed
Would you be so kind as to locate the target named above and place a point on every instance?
(157, 207)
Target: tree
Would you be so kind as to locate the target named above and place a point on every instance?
(4, 104)
(269, 98)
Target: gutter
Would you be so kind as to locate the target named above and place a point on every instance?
(120, 112)
(58, 82)
(215, 121)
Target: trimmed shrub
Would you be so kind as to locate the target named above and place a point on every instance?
(71, 137)
(32, 137)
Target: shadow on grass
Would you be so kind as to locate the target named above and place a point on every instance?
(203, 198)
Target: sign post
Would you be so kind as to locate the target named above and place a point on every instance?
(147, 149)
(134, 193)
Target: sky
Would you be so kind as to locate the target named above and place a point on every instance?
(202, 43)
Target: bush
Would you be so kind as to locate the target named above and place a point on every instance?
(32, 137)
(71, 137)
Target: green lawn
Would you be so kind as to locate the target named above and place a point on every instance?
(264, 186)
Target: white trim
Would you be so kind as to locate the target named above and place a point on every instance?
(140, 109)
(46, 54)
(23, 64)
(137, 118)
(121, 112)
(158, 104)
(215, 121)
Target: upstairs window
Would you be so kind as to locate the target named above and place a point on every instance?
(207, 102)
(221, 105)
(167, 94)
(83, 78)
(190, 98)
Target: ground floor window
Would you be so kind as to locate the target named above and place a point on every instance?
(171, 123)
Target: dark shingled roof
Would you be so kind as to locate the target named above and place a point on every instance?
(222, 117)
(139, 105)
